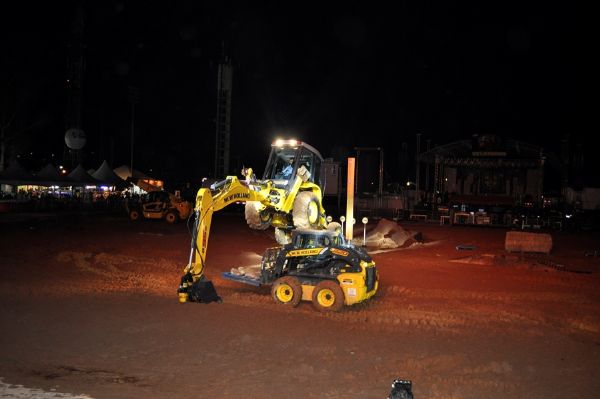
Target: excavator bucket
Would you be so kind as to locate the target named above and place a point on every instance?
(202, 291)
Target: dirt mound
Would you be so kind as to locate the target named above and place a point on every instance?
(107, 272)
(388, 234)
(252, 271)
(251, 265)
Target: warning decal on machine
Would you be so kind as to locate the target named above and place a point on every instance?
(339, 252)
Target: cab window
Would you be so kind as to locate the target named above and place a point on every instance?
(324, 241)
(278, 162)
(306, 160)
(305, 241)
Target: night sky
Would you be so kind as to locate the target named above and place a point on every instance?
(337, 77)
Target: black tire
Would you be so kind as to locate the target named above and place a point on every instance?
(287, 291)
(172, 217)
(134, 215)
(328, 296)
(303, 213)
(256, 220)
(282, 236)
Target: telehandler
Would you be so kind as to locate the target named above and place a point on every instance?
(159, 205)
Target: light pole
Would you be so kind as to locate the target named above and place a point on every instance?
(365, 220)
(418, 161)
(134, 98)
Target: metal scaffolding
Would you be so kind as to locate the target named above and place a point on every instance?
(223, 128)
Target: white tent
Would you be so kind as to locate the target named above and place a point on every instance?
(106, 176)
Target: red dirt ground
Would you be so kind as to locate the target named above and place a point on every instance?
(88, 305)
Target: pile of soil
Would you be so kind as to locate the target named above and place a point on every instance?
(387, 234)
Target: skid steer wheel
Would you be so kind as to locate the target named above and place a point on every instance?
(172, 217)
(328, 296)
(287, 291)
(134, 215)
(255, 218)
(306, 210)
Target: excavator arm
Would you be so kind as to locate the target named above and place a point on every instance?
(194, 286)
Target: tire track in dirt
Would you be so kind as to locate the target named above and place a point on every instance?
(393, 308)
(375, 315)
(106, 273)
(432, 371)
(395, 312)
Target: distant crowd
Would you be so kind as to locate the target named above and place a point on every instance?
(33, 200)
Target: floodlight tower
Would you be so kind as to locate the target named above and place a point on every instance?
(74, 136)
(223, 128)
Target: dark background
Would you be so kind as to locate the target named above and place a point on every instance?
(337, 77)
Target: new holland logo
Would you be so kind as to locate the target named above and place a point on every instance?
(304, 252)
(237, 196)
(204, 238)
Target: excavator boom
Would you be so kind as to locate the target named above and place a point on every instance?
(193, 285)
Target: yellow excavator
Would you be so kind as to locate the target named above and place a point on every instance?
(287, 197)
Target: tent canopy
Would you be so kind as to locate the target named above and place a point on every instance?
(15, 175)
(105, 175)
(79, 177)
(124, 172)
(145, 182)
(50, 176)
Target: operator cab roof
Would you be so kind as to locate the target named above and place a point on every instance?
(295, 143)
(311, 238)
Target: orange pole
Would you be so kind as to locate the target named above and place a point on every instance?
(350, 199)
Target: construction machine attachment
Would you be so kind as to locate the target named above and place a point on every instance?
(401, 389)
(202, 291)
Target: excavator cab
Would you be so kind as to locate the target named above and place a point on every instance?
(287, 156)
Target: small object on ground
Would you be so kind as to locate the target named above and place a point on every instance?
(520, 241)
(560, 267)
(401, 389)
(465, 247)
